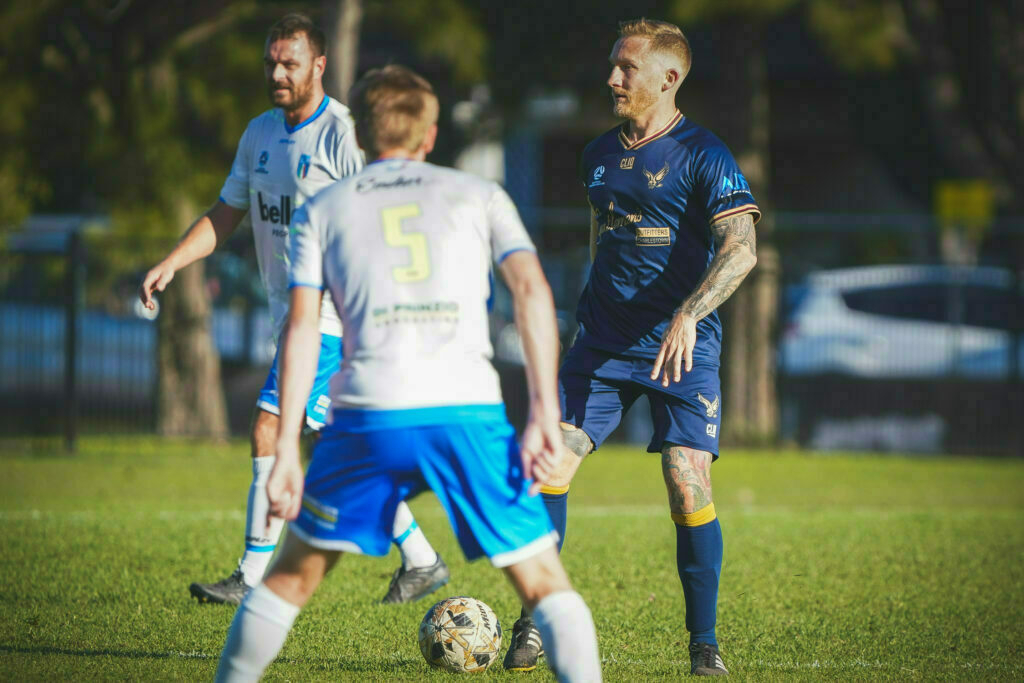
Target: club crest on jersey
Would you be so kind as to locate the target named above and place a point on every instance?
(303, 168)
(654, 179)
(626, 163)
(598, 174)
(710, 407)
(264, 158)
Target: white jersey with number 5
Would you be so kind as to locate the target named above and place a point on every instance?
(405, 249)
(276, 169)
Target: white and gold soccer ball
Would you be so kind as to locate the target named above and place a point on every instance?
(461, 635)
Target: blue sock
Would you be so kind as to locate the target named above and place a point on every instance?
(558, 509)
(699, 559)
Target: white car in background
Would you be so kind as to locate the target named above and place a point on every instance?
(904, 321)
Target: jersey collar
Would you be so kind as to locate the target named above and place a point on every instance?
(311, 119)
(653, 136)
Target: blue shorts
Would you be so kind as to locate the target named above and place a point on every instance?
(320, 397)
(596, 388)
(367, 461)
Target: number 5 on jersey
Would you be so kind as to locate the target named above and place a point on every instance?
(416, 242)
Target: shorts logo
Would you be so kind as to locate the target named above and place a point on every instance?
(653, 237)
(626, 164)
(710, 407)
(654, 179)
(303, 168)
(322, 515)
(711, 430)
(598, 173)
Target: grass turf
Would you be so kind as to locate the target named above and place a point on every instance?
(836, 567)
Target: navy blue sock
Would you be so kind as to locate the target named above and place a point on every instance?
(558, 509)
(699, 559)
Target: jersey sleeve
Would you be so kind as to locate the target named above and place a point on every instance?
(508, 234)
(346, 157)
(235, 192)
(305, 249)
(724, 188)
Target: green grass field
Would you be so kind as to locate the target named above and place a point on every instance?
(836, 567)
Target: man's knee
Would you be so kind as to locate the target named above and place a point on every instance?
(537, 577)
(687, 473)
(579, 445)
(576, 440)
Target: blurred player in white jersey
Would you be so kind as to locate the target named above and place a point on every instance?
(287, 154)
(404, 248)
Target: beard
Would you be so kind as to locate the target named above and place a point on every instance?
(293, 96)
(636, 103)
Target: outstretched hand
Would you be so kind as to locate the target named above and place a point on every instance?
(156, 280)
(284, 487)
(676, 350)
(542, 449)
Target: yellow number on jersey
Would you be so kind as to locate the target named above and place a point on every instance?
(416, 242)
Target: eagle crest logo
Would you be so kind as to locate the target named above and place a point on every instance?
(654, 179)
(710, 407)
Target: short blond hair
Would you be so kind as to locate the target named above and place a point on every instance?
(664, 37)
(393, 108)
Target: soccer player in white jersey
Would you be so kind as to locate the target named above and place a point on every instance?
(404, 248)
(287, 154)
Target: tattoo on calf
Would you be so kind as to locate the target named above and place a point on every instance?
(687, 479)
(577, 441)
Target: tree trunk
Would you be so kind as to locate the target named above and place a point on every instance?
(343, 20)
(190, 397)
(749, 318)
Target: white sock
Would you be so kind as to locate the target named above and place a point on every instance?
(570, 641)
(257, 634)
(407, 535)
(259, 541)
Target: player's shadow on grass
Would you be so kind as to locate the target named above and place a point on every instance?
(397, 667)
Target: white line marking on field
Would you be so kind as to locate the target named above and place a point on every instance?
(575, 511)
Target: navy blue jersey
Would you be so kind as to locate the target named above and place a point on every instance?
(654, 202)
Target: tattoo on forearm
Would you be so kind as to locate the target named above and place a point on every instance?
(687, 479)
(735, 255)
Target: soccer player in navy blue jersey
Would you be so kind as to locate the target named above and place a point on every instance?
(672, 236)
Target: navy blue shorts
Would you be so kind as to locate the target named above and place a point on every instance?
(596, 388)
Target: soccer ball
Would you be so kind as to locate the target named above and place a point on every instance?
(460, 634)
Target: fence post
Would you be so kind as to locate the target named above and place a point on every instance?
(74, 294)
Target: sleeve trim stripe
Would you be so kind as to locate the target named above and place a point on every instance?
(746, 208)
(512, 251)
(305, 284)
(224, 201)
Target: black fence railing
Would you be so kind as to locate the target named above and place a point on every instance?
(905, 354)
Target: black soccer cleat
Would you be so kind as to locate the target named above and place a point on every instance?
(705, 660)
(228, 591)
(412, 584)
(526, 647)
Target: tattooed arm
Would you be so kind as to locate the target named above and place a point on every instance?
(735, 256)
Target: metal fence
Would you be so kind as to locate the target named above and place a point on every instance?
(880, 345)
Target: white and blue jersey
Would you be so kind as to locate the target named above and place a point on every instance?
(276, 169)
(405, 249)
(655, 200)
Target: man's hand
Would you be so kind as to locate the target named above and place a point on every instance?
(156, 280)
(284, 488)
(542, 449)
(676, 349)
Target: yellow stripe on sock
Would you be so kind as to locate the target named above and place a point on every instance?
(700, 517)
(554, 489)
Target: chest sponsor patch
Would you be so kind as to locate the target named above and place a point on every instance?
(653, 237)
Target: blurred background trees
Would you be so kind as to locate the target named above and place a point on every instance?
(125, 109)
